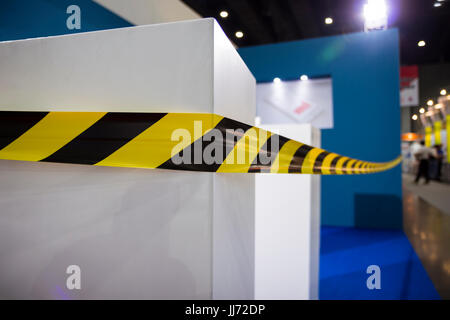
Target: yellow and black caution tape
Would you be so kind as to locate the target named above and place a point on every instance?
(181, 141)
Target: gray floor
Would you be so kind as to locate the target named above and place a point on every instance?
(426, 222)
(435, 193)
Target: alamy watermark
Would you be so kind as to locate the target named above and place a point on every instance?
(216, 146)
(374, 280)
(73, 281)
(74, 20)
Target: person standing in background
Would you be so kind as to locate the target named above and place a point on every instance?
(413, 163)
(439, 154)
(423, 155)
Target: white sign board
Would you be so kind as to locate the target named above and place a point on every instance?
(308, 101)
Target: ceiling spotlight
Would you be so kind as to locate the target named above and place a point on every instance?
(276, 80)
(304, 77)
(239, 34)
(414, 117)
(437, 4)
(421, 43)
(328, 20)
(443, 92)
(224, 14)
(375, 15)
(430, 103)
(422, 110)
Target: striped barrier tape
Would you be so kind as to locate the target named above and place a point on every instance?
(180, 141)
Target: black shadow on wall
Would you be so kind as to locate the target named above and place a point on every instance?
(378, 211)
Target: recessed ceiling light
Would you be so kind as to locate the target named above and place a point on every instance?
(421, 43)
(224, 14)
(422, 110)
(443, 92)
(276, 80)
(437, 4)
(414, 117)
(239, 34)
(430, 103)
(304, 77)
(328, 20)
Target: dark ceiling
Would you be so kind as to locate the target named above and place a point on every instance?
(271, 21)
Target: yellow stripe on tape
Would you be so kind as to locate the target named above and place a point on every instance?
(54, 131)
(349, 165)
(284, 157)
(162, 141)
(339, 165)
(326, 166)
(245, 151)
(358, 167)
(308, 162)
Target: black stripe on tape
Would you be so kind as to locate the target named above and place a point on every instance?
(104, 137)
(267, 154)
(319, 161)
(297, 160)
(344, 166)
(15, 123)
(225, 136)
(333, 164)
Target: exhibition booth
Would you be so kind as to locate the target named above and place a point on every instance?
(139, 233)
(363, 75)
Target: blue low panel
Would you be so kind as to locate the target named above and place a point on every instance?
(365, 72)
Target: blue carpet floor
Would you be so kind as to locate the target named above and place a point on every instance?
(346, 253)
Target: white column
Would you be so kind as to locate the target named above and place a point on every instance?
(287, 226)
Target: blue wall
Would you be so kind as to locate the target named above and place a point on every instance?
(21, 19)
(365, 71)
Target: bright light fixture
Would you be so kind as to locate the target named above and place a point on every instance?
(421, 43)
(443, 92)
(414, 117)
(430, 103)
(239, 34)
(224, 14)
(328, 20)
(276, 80)
(437, 4)
(422, 110)
(304, 77)
(375, 15)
